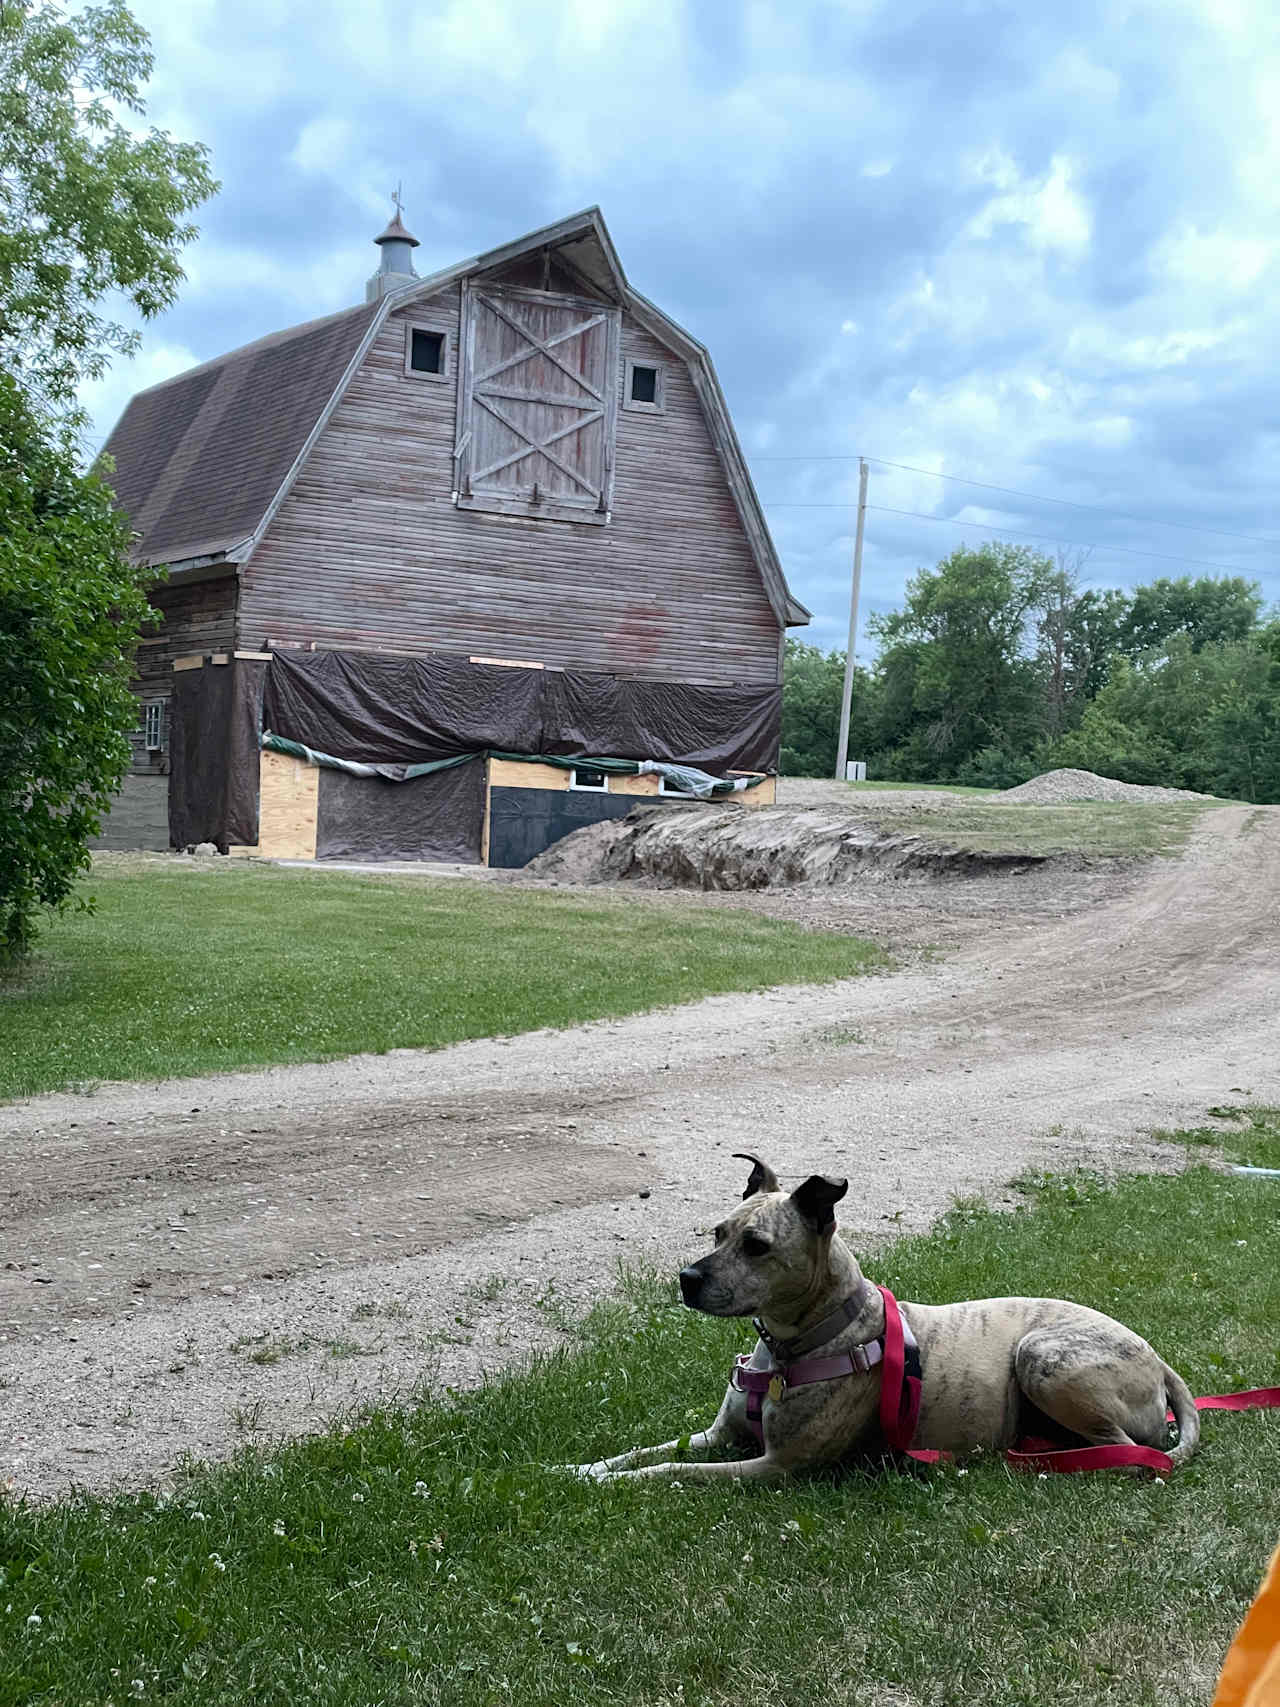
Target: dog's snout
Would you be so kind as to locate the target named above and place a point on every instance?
(690, 1283)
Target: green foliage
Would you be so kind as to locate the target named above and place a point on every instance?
(87, 206)
(999, 666)
(812, 685)
(1206, 612)
(1203, 716)
(956, 666)
(70, 609)
(996, 767)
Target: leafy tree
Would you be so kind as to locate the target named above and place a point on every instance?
(70, 608)
(1078, 637)
(89, 209)
(957, 669)
(87, 206)
(1206, 719)
(812, 685)
(1206, 611)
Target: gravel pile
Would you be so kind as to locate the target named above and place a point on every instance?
(1055, 786)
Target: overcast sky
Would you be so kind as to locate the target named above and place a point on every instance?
(1028, 245)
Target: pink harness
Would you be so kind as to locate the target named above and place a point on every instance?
(898, 1422)
(900, 1391)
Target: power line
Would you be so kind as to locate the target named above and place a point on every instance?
(1036, 497)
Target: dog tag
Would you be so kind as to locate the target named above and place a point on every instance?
(777, 1387)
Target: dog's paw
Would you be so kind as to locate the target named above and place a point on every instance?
(597, 1472)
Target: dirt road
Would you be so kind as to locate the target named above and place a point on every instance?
(189, 1265)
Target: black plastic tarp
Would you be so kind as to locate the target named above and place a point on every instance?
(406, 710)
(358, 705)
(213, 754)
(437, 817)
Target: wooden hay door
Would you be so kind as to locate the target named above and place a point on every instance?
(537, 403)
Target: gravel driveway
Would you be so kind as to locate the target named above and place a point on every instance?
(190, 1265)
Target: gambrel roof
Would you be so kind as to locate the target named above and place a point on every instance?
(205, 460)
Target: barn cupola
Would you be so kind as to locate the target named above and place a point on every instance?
(395, 268)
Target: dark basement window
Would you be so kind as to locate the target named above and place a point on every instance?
(426, 353)
(594, 782)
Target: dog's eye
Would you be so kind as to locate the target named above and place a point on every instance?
(754, 1246)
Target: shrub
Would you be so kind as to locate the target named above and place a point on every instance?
(70, 609)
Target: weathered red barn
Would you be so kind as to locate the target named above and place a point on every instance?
(501, 510)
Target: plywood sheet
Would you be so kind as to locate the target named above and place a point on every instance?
(289, 793)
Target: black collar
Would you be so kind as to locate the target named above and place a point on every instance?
(787, 1351)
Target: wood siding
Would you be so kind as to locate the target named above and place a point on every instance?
(199, 618)
(369, 551)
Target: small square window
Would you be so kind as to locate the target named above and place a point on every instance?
(594, 782)
(426, 352)
(643, 390)
(668, 785)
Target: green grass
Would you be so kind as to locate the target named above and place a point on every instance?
(181, 971)
(922, 787)
(430, 1557)
(1091, 828)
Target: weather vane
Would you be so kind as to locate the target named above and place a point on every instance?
(396, 198)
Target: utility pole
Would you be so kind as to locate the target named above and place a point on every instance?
(842, 753)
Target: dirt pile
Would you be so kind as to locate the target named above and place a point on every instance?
(733, 848)
(1057, 786)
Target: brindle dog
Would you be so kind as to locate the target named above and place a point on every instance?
(992, 1368)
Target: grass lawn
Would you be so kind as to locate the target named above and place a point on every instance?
(187, 971)
(1096, 828)
(429, 1557)
(923, 787)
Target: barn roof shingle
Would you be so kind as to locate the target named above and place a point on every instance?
(200, 457)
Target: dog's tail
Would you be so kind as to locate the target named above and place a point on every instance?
(1185, 1414)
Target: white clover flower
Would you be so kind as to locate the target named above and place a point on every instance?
(34, 1621)
(148, 1582)
(138, 1686)
(413, 1547)
(357, 1499)
(215, 1559)
(421, 1491)
(277, 1528)
(198, 1517)
(962, 1472)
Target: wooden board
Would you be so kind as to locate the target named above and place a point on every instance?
(517, 773)
(287, 805)
(763, 794)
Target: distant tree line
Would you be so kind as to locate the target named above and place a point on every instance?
(1000, 665)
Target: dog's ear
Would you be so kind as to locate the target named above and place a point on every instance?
(816, 1200)
(762, 1177)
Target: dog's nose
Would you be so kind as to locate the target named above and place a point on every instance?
(690, 1284)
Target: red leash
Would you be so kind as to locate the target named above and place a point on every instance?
(900, 1411)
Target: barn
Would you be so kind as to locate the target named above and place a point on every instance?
(450, 572)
